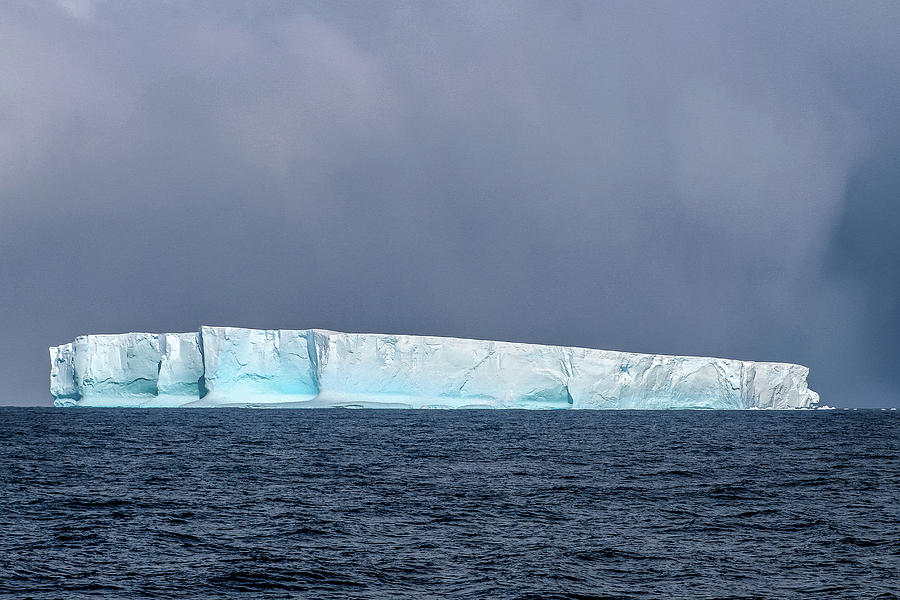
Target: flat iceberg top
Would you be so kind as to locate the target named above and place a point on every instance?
(230, 366)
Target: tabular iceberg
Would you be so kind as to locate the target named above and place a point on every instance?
(257, 366)
(180, 370)
(230, 366)
(114, 370)
(62, 375)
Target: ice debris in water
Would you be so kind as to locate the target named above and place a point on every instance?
(230, 366)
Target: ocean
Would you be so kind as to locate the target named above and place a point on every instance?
(220, 503)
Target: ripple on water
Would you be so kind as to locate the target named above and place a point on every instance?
(106, 503)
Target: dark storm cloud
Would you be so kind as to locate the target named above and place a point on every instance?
(692, 179)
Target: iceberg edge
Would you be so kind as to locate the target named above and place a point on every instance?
(317, 368)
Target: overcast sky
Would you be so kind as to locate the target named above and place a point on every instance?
(684, 178)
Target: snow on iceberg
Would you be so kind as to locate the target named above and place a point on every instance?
(230, 366)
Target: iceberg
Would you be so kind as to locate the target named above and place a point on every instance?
(257, 366)
(117, 369)
(433, 372)
(232, 366)
(604, 379)
(180, 370)
(62, 375)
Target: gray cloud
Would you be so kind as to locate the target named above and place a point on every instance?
(683, 179)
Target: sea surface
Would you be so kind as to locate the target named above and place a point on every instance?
(218, 503)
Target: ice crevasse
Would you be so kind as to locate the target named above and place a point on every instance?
(309, 368)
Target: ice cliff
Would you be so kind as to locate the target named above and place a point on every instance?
(180, 369)
(229, 366)
(106, 370)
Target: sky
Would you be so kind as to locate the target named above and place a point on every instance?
(717, 179)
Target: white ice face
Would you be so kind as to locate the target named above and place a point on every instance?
(62, 375)
(777, 386)
(180, 368)
(117, 368)
(257, 365)
(425, 372)
(604, 379)
(316, 368)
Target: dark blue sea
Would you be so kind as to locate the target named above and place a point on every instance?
(110, 503)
